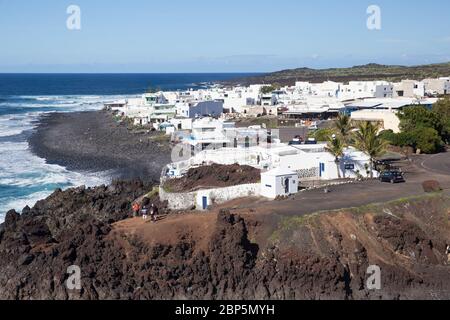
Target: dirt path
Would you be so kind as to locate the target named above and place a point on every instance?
(192, 228)
(198, 226)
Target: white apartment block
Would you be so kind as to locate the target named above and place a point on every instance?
(387, 118)
(365, 89)
(437, 86)
(409, 89)
(325, 89)
(305, 100)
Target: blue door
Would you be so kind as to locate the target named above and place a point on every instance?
(205, 203)
(286, 186)
(322, 169)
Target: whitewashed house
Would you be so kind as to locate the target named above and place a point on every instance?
(234, 100)
(314, 162)
(268, 100)
(200, 109)
(314, 107)
(303, 88)
(409, 89)
(181, 123)
(365, 89)
(326, 89)
(209, 133)
(278, 182)
(437, 86)
(388, 119)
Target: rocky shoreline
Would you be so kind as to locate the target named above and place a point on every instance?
(226, 254)
(220, 256)
(94, 141)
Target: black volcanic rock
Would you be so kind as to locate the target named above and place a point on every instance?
(95, 142)
(320, 261)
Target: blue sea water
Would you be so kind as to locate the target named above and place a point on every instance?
(26, 178)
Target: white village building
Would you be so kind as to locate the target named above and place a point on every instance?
(199, 109)
(409, 89)
(365, 89)
(437, 86)
(278, 182)
(388, 119)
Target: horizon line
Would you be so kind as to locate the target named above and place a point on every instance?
(231, 72)
(234, 72)
(210, 72)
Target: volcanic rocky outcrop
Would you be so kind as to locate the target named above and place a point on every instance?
(224, 255)
(214, 176)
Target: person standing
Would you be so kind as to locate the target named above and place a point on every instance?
(154, 213)
(144, 210)
(136, 208)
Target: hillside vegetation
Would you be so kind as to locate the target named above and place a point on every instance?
(357, 73)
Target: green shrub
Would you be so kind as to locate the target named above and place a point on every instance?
(427, 140)
(322, 134)
(419, 117)
(388, 135)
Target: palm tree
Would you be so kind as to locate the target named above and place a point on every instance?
(336, 147)
(343, 125)
(368, 141)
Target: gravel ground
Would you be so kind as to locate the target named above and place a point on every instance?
(93, 141)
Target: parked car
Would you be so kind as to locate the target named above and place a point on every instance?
(311, 141)
(392, 177)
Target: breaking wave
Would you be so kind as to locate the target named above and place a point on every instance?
(24, 177)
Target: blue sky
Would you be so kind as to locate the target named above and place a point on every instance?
(218, 36)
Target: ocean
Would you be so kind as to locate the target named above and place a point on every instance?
(26, 178)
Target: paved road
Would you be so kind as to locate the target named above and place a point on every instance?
(418, 170)
(437, 164)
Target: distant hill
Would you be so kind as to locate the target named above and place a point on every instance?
(358, 73)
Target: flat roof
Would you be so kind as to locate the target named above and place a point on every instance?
(364, 104)
(311, 111)
(279, 172)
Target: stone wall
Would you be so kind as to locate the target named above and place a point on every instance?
(189, 200)
(178, 201)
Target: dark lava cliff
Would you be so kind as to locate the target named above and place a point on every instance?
(244, 256)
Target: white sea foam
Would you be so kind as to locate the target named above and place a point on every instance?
(30, 179)
(15, 124)
(11, 125)
(24, 177)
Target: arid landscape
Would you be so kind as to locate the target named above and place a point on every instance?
(244, 249)
(224, 159)
(357, 73)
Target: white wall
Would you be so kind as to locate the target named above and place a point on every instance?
(388, 118)
(185, 201)
(272, 186)
(365, 89)
(308, 165)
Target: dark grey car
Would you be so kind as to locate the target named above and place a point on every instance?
(392, 177)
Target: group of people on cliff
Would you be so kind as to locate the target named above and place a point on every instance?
(145, 209)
